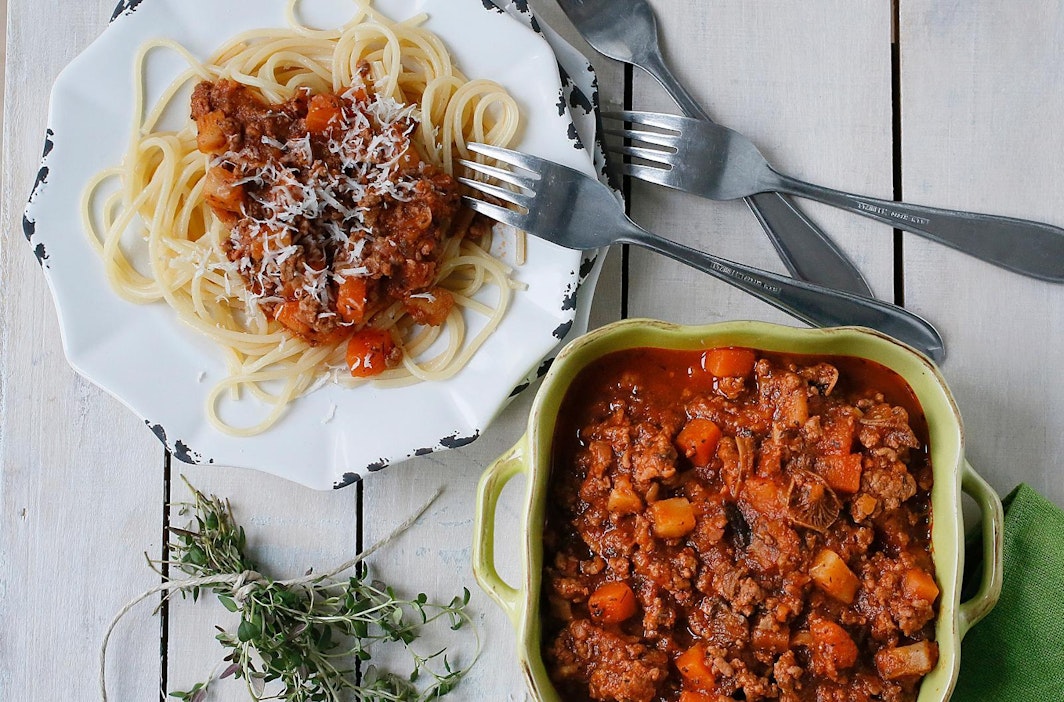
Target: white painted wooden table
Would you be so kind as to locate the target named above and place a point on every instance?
(943, 103)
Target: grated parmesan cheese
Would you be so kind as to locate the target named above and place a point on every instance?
(309, 202)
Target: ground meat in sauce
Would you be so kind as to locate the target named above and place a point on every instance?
(762, 534)
(328, 219)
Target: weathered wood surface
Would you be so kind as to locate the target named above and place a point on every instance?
(982, 98)
(81, 490)
(810, 84)
(82, 483)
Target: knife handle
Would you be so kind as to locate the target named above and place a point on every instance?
(805, 250)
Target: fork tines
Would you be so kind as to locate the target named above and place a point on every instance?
(657, 132)
(526, 183)
(659, 120)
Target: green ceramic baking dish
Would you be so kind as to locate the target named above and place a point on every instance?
(952, 475)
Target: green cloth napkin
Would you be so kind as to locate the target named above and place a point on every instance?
(1016, 654)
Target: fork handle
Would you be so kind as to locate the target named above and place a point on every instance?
(1030, 248)
(816, 305)
(654, 64)
(807, 252)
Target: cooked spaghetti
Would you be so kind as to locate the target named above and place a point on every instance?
(306, 219)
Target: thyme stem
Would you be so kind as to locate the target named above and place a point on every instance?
(244, 584)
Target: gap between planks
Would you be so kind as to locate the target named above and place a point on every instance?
(626, 192)
(164, 601)
(895, 100)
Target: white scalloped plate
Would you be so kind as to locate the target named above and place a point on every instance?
(163, 371)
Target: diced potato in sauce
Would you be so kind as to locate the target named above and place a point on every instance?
(833, 576)
(907, 661)
(672, 518)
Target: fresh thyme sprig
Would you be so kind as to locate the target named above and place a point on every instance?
(301, 640)
(305, 639)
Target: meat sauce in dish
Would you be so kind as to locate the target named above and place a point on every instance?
(332, 214)
(732, 524)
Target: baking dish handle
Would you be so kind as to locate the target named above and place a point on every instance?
(972, 611)
(489, 489)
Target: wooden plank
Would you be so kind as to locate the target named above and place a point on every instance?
(3, 55)
(80, 476)
(810, 84)
(982, 94)
(290, 529)
(434, 557)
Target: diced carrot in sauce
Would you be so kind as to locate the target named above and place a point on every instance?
(698, 440)
(695, 668)
(612, 603)
(907, 661)
(919, 584)
(351, 300)
(833, 649)
(430, 308)
(672, 518)
(831, 574)
(288, 315)
(842, 473)
(369, 352)
(696, 696)
(360, 94)
(730, 363)
(765, 495)
(838, 434)
(335, 336)
(322, 111)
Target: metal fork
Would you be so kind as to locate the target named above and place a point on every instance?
(626, 30)
(573, 210)
(721, 164)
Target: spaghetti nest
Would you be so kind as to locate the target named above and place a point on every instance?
(216, 219)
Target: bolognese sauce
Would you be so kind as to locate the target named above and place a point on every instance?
(733, 524)
(332, 215)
